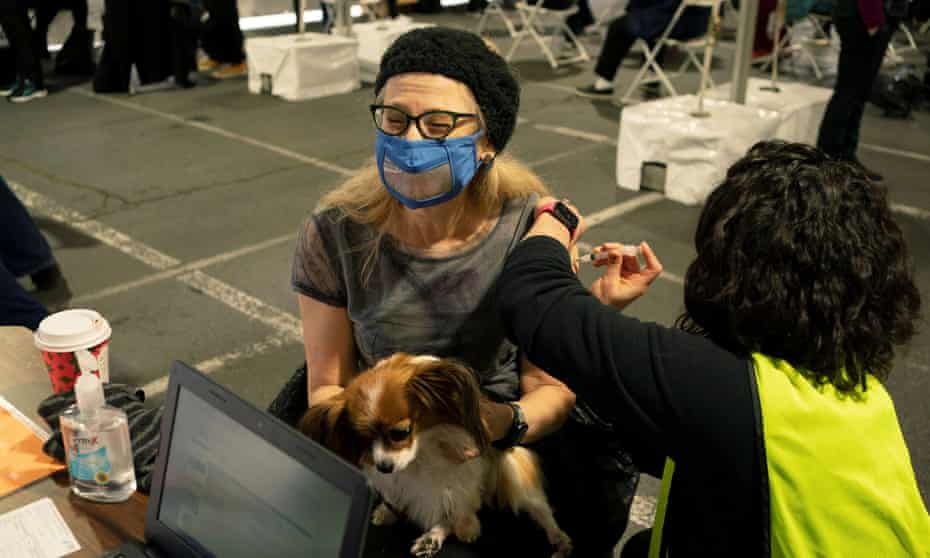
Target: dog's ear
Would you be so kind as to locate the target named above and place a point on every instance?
(449, 389)
(327, 422)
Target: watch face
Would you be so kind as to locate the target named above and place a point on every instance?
(567, 216)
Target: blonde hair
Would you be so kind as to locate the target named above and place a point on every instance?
(363, 199)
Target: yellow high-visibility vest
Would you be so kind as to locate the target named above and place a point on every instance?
(840, 476)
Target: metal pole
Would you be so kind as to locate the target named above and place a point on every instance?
(748, 11)
(301, 8)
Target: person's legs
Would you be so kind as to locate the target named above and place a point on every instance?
(223, 42)
(15, 22)
(839, 130)
(79, 13)
(16, 306)
(46, 10)
(23, 249)
(580, 19)
(617, 44)
(844, 110)
(871, 65)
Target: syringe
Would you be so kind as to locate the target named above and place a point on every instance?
(626, 249)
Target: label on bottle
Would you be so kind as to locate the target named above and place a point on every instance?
(89, 461)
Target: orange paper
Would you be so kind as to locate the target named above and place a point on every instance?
(21, 458)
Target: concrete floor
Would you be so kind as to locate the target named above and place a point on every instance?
(188, 203)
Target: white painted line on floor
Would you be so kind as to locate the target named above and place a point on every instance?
(559, 156)
(287, 326)
(577, 134)
(159, 385)
(899, 152)
(643, 510)
(915, 212)
(192, 266)
(107, 235)
(614, 211)
(218, 131)
(553, 86)
(245, 303)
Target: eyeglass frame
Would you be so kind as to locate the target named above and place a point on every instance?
(416, 119)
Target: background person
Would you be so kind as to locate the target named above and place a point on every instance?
(25, 252)
(29, 83)
(865, 28)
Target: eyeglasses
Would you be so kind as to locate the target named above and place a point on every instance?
(435, 124)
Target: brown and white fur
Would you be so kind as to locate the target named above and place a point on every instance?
(397, 422)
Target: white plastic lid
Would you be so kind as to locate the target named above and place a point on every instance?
(89, 393)
(72, 330)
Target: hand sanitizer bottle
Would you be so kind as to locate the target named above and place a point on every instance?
(97, 445)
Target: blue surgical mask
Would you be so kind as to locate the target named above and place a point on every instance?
(422, 173)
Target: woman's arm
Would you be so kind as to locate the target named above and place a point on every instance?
(329, 347)
(664, 388)
(546, 403)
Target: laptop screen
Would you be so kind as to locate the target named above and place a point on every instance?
(230, 493)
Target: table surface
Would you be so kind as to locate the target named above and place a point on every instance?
(97, 527)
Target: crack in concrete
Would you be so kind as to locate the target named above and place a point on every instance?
(194, 190)
(61, 181)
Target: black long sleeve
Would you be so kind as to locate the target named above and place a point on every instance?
(668, 393)
(675, 392)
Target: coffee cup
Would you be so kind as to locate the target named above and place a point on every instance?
(74, 342)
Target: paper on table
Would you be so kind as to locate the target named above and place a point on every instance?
(36, 530)
(23, 460)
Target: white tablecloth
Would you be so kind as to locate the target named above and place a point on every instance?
(696, 151)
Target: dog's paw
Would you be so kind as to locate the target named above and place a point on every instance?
(467, 529)
(562, 544)
(383, 515)
(428, 544)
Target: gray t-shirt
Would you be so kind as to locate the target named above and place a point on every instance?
(413, 303)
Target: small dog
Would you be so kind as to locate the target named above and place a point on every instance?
(398, 421)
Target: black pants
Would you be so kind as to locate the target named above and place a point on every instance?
(222, 40)
(23, 251)
(15, 22)
(580, 19)
(861, 58)
(620, 39)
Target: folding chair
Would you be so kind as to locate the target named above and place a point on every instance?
(706, 43)
(534, 18)
(894, 53)
(789, 43)
(495, 9)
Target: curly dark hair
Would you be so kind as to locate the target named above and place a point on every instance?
(799, 258)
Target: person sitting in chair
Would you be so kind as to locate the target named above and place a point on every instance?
(404, 257)
(644, 19)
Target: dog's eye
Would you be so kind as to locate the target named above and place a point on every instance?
(399, 434)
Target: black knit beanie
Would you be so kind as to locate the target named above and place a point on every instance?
(464, 57)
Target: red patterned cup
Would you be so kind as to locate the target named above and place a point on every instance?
(63, 335)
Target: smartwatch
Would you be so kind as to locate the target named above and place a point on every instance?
(517, 430)
(562, 213)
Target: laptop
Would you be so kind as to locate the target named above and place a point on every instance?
(232, 481)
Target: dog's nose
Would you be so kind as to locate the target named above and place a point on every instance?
(384, 466)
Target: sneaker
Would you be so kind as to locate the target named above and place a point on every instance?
(592, 92)
(207, 64)
(10, 88)
(26, 92)
(229, 71)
